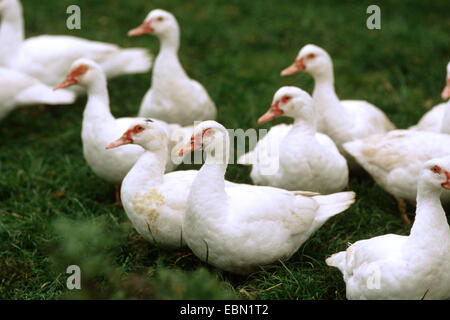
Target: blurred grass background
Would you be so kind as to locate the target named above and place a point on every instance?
(55, 212)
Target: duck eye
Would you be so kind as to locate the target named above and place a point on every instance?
(436, 169)
(286, 99)
(207, 132)
(311, 56)
(138, 129)
(160, 19)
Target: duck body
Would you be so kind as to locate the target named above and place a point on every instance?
(173, 96)
(242, 227)
(18, 89)
(110, 165)
(438, 118)
(269, 231)
(296, 157)
(349, 120)
(48, 57)
(402, 267)
(99, 128)
(394, 159)
(403, 272)
(435, 120)
(155, 202)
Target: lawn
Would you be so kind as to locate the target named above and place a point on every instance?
(54, 212)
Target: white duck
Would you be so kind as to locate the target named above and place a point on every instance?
(173, 97)
(405, 267)
(100, 127)
(240, 228)
(395, 159)
(154, 202)
(301, 159)
(342, 121)
(48, 58)
(438, 118)
(18, 89)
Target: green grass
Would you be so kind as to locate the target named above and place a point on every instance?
(55, 212)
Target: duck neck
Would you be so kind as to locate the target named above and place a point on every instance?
(11, 33)
(167, 62)
(147, 171)
(208, 188)
(324, 87)
(331, 113)
(304, 124)
(170, 41)
(97, 106)
(445, 127)
(430, 223)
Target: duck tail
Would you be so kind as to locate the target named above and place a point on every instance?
(247, 158)
(41, 93)
(332, 204)
(128, 61)
(337, 260)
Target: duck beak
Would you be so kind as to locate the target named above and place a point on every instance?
(195, 143)
(446, 92)
(273, 112)
(144, 28)
(297, 66)
(71, 78)
(446, 184)
(69, 81)
(124, 139)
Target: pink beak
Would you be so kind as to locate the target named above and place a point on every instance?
(71, 78)
(66, 83)
(194, 144)
(124, 139)
(273, 112)
(446, 92)
(297, 66)
(446, 184)
(144, 28)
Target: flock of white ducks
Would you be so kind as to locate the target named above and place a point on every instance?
(239, 227)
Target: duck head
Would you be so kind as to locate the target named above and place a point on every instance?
(288, 101)
(82, 72)
(6, 5)
(158, 22)
(436, 173)
(147, 133)
(211, 137)
(311, 59)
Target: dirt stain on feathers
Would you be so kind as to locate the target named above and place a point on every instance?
(148, 203)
